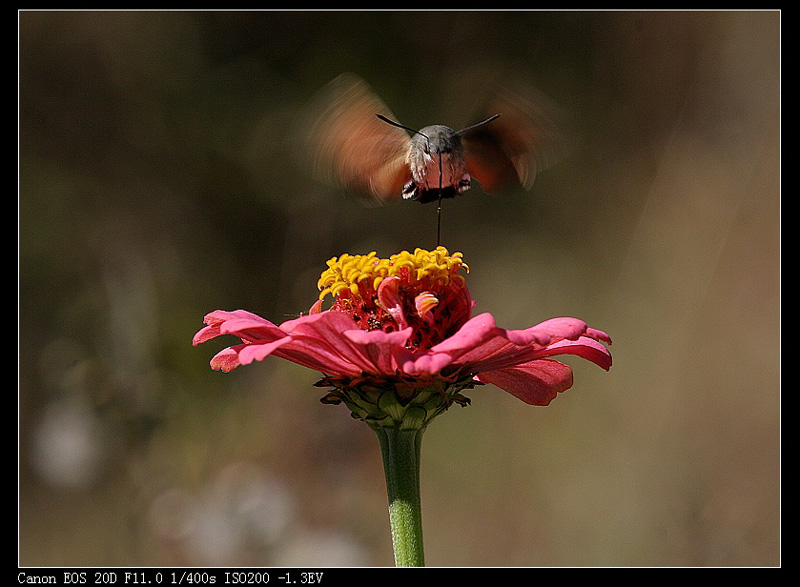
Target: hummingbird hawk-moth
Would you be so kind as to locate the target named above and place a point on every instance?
(354, 142)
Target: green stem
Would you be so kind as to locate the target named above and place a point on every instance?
(400, 450)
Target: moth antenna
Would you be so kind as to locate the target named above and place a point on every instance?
(403, 126)
(487, 121)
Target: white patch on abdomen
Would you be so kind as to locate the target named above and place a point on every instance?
(428, 176)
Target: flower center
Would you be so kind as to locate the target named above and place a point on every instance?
(423, 290)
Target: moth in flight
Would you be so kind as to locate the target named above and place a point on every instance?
(353, 141)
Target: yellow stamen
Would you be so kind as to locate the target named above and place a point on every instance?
(431, 267)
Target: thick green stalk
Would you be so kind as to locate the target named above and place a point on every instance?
(400, 449)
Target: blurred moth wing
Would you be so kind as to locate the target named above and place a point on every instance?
(350, 147)
(525, 140)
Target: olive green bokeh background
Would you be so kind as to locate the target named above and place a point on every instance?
(157, 182)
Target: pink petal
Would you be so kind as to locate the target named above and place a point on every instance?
(226, 360)
(250, 330)
(304, 345)
(258, 352)
(317, 322)
(495, 348)
(247, 326)
(558, 328)
(527, 337)
(219, 316)
(380, 348)
(308, 353)
(389, 299)
(536, 382)
(243, 354)
(584, 347)
(480, 339)
(326, 335)
(598, 335)
(424, 303)
(419, 365)
(475, 332)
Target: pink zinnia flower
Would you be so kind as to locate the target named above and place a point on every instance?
(404, 324)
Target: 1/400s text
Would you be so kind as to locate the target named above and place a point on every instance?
(189, 578)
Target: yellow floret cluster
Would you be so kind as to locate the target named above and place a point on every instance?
(353, 272)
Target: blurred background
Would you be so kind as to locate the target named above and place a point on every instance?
(157, 183)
